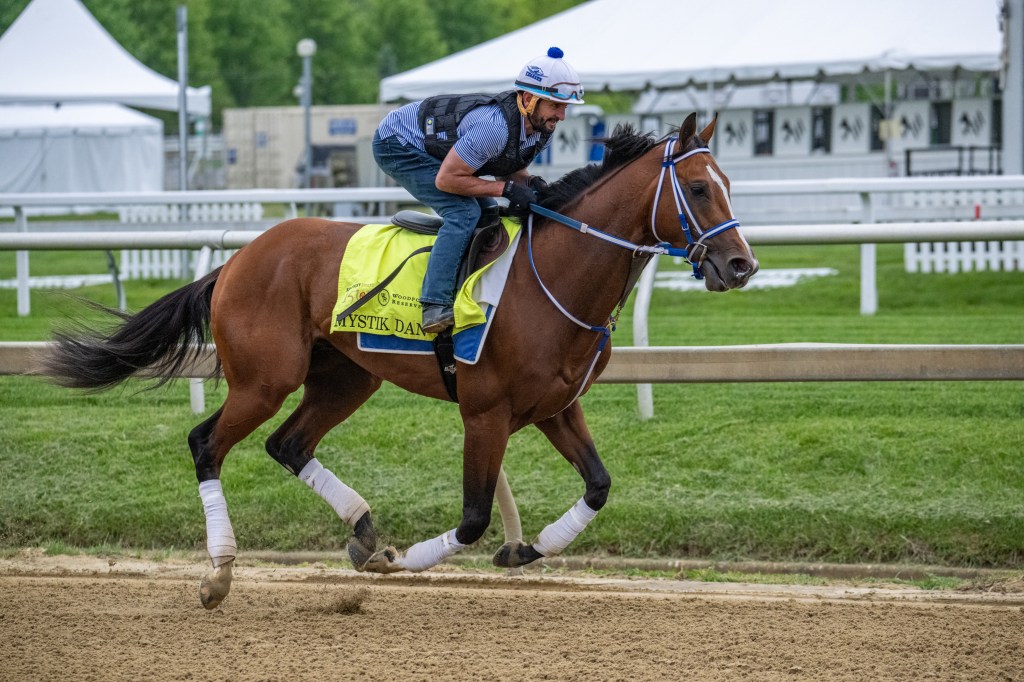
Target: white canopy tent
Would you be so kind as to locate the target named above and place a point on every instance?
(63, 79)
(56, 51)
(79, 148)
(634, 45)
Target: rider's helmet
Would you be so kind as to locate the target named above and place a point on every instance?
(550, 77)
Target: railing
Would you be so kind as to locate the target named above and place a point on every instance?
(725, 364)
(755, 363)
(866, 191)
(864, 230)
(208, 240)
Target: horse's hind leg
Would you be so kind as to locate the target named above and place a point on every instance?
(334, 388)
(568, 432)
(250, 402)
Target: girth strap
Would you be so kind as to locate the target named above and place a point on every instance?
(444, 351)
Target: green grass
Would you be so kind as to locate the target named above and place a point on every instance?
(926, 472)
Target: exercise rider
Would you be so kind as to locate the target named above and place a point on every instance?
(440, 147)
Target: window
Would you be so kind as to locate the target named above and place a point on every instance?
(997, 123)
(877, 144)
(941, 123)
(764, 126)
(821, 130)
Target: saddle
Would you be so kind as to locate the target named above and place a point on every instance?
(488, 241)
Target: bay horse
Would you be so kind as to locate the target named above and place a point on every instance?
(269, 311)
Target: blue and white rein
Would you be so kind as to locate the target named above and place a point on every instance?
(695, 253)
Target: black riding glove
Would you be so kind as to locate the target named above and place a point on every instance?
(519, 196)
(537, 184)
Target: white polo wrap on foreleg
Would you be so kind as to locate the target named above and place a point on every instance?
(557, 536)
(423, 555)
(345, 501)
(220, 538)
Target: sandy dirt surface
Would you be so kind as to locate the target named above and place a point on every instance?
(88, 618)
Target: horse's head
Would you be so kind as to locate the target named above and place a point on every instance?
(700, 219)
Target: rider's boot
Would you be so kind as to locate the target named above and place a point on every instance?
(437, 317)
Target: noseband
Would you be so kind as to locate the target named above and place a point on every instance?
(697, 249)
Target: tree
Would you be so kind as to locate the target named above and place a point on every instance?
(512, 14)
(465, 24)
(255, 51)
(403, 34)
(342, 69)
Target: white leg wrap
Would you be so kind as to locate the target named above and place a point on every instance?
(557, 536)
(345, 501)
(220, 539)
(423, 555)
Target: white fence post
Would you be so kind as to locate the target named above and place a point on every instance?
(868, 261)
(21, 265)
(641, 307)
(197, 395)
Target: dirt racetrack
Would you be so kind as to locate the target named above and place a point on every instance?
(87, 618)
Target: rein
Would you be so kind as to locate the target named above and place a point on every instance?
(695, 253)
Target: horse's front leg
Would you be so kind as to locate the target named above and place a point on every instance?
(568, 432)
(484, 446)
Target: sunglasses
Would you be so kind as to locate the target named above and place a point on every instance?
(559, 91)
(565, 91)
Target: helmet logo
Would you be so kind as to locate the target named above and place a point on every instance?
(535, 72)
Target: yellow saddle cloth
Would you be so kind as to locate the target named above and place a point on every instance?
(375, 251)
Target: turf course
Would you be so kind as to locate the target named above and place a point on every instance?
(926, 472)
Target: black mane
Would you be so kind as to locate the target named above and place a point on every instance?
(624, 145)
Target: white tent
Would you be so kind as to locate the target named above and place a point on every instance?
(79, 148)
(56, 51)
(638, 44)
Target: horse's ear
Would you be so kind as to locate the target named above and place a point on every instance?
(688, 129)
(709, 130)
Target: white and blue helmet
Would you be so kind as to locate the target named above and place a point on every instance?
(550, 77)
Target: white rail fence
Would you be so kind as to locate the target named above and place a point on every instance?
(775, 362)
(167, 210)
(867, 201)
(953, 257)
(876, 198)
(138, 264)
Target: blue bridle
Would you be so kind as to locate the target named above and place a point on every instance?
(697, 248)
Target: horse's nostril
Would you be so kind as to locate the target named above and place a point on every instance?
(741, 267)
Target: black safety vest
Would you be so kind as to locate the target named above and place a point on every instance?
(443, 113)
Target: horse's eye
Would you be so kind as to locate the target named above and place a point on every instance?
(698, 190)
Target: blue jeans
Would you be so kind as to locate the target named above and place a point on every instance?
(416, 170)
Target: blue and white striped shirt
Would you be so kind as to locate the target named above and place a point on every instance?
(483, 132)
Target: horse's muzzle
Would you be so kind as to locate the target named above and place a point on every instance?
(734, 273)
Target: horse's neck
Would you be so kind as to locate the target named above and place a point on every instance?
(588, 275)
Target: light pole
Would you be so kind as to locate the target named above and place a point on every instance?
(306, 48)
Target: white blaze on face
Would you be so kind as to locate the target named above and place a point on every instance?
(728, 202)
(721, 183)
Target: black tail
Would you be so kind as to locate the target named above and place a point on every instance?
(161, 338)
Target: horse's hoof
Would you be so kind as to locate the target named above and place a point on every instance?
(515, 554)
(359, 553)
(215, 586)
(383, 562)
